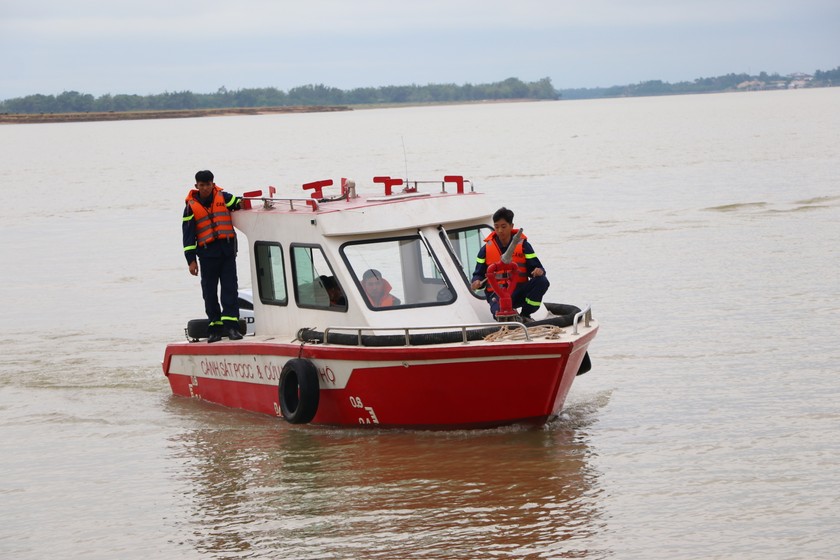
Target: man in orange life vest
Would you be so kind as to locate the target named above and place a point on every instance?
(532, 283)
(378, 290)
(209, 236)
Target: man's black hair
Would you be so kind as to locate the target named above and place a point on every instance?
(204, 176)
(503, 214)
(328, 282)
(371, 273)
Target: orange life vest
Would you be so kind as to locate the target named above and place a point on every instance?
(213, 224)
(492, 254)
(386, 300)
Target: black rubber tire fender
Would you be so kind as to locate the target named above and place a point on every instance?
(585, 365)
(299, 391)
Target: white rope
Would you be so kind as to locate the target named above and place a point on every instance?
(549, 332)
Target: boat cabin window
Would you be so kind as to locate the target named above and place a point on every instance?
(314, 281)
(271, 273)
(464, 245)
(397, 273)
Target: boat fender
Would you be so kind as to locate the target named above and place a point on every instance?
(585, 365)
(299, 391)
(560, 315)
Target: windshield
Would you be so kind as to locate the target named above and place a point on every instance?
(464, 245)
(397, 273)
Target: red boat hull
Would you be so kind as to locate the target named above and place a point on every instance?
(449, 387)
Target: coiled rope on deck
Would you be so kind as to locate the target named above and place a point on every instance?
(549, 332)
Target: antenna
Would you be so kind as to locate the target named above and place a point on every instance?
(405, 159)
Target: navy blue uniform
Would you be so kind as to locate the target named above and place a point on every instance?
(217, 266)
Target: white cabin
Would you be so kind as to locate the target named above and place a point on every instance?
(423, 243)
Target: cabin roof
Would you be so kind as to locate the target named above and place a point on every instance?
(369, 214)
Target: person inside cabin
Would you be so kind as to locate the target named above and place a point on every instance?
(337, 298)
(209, 239)
(531, 281)
(377, 289)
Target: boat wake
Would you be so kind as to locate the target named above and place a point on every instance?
(580, 414)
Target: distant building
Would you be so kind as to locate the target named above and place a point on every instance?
(799, 80)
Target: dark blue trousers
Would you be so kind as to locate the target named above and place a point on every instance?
(215, 271)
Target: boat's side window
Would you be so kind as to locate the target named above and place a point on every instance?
(393, 273)
(271, 274)
(464, 245)
(315, 284)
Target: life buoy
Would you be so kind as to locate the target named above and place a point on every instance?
(299, 391)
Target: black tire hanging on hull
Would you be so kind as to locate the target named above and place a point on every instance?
(585, 365)
(299, 391)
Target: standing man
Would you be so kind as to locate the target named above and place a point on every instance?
(531, 282)
(209, 237)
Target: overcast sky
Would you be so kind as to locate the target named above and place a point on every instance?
(113, 46)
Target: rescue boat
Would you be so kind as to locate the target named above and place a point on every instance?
(327, 349)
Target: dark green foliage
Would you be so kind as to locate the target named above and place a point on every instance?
(729, 82)
(319, 94)
(830, 76)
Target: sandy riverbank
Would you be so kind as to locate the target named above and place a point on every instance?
(20, 118)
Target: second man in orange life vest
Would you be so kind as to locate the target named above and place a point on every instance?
(531, 280)
(209, 238)
(378, 290)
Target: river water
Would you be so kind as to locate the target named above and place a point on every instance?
(704, 230)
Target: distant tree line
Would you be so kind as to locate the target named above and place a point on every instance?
(512, 88)
(729, 82)
(829, 77)
(75, 102)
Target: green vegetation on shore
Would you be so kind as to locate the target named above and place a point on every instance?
(321, 95)
(729, 82)
(75, 102)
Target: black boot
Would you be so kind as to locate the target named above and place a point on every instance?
(214, 337)
(234, 334)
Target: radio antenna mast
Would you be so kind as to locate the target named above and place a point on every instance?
(405, 159)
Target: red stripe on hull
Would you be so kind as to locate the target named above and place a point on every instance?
(452, 387)
(462, 394)
(247, 396)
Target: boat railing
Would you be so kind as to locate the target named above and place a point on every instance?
(348, 191)
(411, 185)
(408, 330)
(270, 202)
(585, 314)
